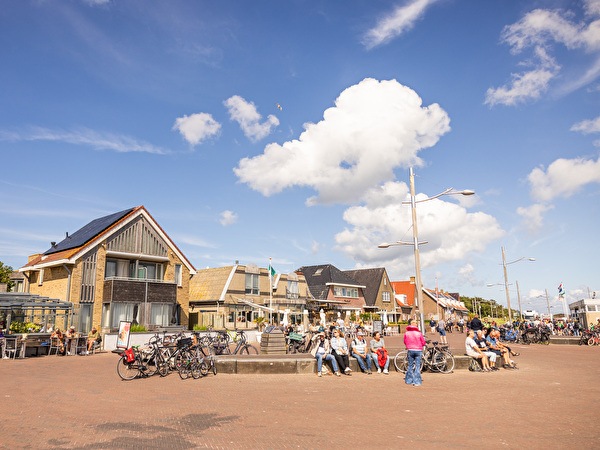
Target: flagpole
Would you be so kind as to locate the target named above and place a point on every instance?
(270, 294)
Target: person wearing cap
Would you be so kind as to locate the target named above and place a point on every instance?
(414, 342)
(321, 350)
(93, 337)
(359, 351)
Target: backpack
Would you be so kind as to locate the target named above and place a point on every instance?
(432, 323)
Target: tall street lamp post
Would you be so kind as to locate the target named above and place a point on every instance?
(415, 242)
(504, 264)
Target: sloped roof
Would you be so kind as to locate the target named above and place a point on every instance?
(319, 277)
(407, 288)
(208, 284)
(371, 278)
(90, 235)
(88, 232)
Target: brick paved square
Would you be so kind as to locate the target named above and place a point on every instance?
(79, 402)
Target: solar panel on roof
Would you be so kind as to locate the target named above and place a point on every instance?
(88, 232)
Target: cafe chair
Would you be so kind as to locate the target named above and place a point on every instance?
(54, 346)
(10, 348)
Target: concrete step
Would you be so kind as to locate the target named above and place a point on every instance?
(293, 363)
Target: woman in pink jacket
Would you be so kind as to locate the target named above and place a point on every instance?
(414, 342)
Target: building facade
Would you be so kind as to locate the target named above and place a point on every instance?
(239, 296)
(118, 267)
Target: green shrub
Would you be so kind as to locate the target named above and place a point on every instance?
(25, 327)
(199, 327)
(137, 328)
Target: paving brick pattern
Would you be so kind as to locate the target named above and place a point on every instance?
(79, 402)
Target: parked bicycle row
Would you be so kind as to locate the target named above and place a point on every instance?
(190, 356)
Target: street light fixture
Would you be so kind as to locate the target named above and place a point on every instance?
(504, 264)
(415, 243)
(518, 295)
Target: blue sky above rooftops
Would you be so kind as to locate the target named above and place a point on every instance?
(276, 129)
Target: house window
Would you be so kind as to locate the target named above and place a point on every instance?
(342, 291)
(124, 268)
(178, 275)
(121, 311)
(385, 297)
(85, 317)
(160, 314)
(292, 289)
(252, 284)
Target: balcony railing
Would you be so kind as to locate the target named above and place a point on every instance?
(139, 290)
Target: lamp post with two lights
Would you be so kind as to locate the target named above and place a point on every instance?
(415, 242)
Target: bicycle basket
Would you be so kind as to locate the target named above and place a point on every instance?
(129, 355)
(185, 342)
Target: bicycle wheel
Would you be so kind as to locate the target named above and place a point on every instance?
(448, 365)
(196, 370)
(214, 366)
(436, 361)
(590, 341)
(127, 370)
(248, 350)
(150, 366)
(204, 368)
(184, 371)
(401, 361)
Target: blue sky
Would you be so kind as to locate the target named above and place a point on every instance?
(277, 129)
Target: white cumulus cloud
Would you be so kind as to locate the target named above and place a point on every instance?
(245, 114)
(374, 127)
(451, 231)
(563, 178)
(401, 19)
(197, 127)
(228, 218)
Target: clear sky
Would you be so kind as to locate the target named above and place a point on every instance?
(286, 129)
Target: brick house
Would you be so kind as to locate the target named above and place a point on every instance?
(235, 296)
(378, 292)
(333, 291)
(122, 266)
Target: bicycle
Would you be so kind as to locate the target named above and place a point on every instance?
(435, 358)
(243, 347)
(130, 365)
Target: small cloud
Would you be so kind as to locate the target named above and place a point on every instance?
(228, 218)
(402, 19)
(527, 85)
(587, 126)
(315, 247)
(197, 127)
(542, 30)
(563, 178)
(246, 115)
(97, 2)
(533, 216)
(84, 136)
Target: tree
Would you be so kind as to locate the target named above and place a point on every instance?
(5, 272)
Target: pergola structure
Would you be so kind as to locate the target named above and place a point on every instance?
(28, 307)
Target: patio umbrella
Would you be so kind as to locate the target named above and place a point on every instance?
(385, 318)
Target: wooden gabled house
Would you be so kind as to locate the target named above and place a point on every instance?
(122, 266)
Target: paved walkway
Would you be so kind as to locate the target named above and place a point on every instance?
(80, 403)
